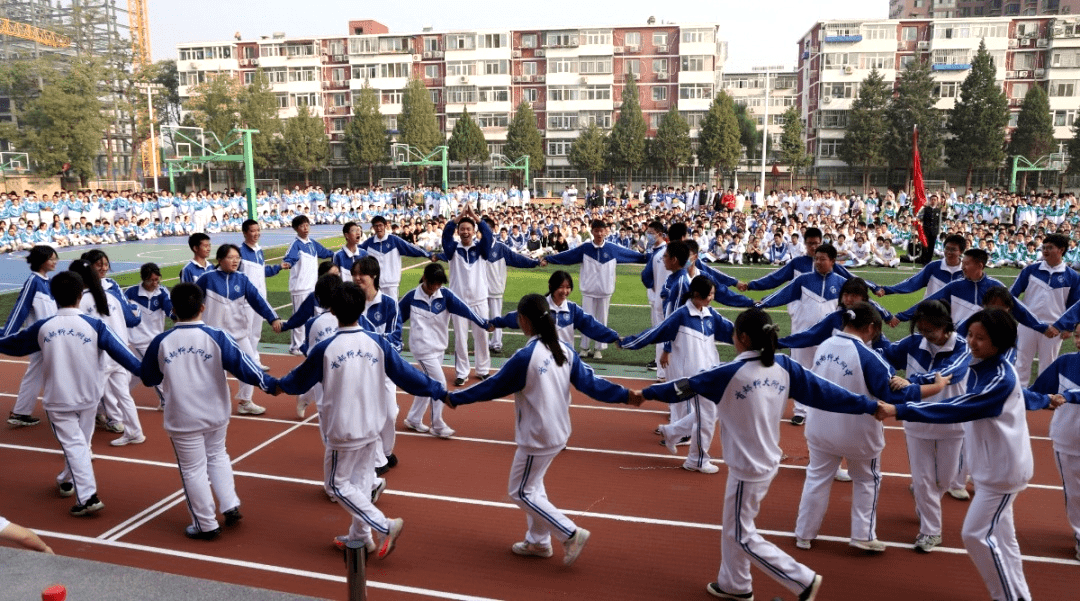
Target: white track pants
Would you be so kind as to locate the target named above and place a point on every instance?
(990, 539)
(656, 317)
(495, 304)
(73, 430)
(297, 340)
(805, 358)
(351, 475)
(1069, 467)
(206, 471)
(699, 424)
(30, 387)
(244, 391)
(598, 307)
(866, 482)
(462, 327)
(934, 464)
(526, 489)
(432, 367)
(118, 401)
(1030, 343)
(741, 544)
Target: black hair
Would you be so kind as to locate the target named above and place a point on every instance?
(536, 310)
(85, 270)
(324, 268)
(367, 266)
(978, 254)
(149, 269)
(856, 286)
(434, 274)
(828, 249)
(39, 255)
(299, 220)
(378, 219)
(1059, 240)
(677, 231)
(700, 287)
(812, 232)
(679, 251)
(693, 246)
(658, 227)
(956, 239)
(489, 221)
(324, 289)
(1000, 326)
(187, 300)
(94, 255)
(468, 220)
(348, 226)
(596, 224)
(1000, 294)
(557, 278)
(861, 315)
(244, 227)
(761, 330)
(935, 313)
(66, 288)
(195, 240)
(223, 251)
(347, 303)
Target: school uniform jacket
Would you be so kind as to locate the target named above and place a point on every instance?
(193, 271)
(303, 257)
(468, 269)
(1050, 290)
(655, 273)
(964, 297)
(691, 335)
(997, 446)
(229, 297)
(831, 324)
(498, 259)
(430, 331)
(153, 308)
(800, 265)
(389, 251)
(934, 276)
(541, 392)
(381, 317)
(35, 303)
(352, 366)
(345, 259)
(812, 296)
(71, 342)
(568, 317)
(750, 400)
(921, 361)
(189, 360)
(846, 361)
(1063, 375)
(597, 276)
(676, 286)
(253, 265)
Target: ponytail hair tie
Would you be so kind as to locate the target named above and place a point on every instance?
(850, 313)
(770, 328)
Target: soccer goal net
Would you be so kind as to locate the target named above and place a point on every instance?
(553, 187)
(392, 183)
(271, 186)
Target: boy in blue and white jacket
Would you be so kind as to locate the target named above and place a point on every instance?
(303, 255)
(389, 249)
(354, 360)
(35, 302)
(500, 257)
(253, 265)
(468, 266)
(154, 305)
(189, 362)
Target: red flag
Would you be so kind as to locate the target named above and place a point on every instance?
(917, 188)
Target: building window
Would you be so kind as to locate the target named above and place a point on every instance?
(632, 40)
(558, 148)
(597, 36)
(431, 44)
(494, 94)
(632, 65)
(460, 41)
(434, 97)
(395, 69)
(601, 119)
(461, 95)
(340, 99)
(338, 124)
(530, 95)
(563, 93)
(431, 71)
(498, 67)
(1063, 118)
(693, 118)
(529, 68)
(562, 39)
(659, 38)
(909, 34)
(596, 92)
(486, 120)
(828, 149)
(563, 65)
(528, 40)
(595, 64)
(492, 40)
(312, 99)
(693, 63)
(1057, 88)
(695, 91)
(842, 89)
(696, 36)
(460, 68)
(282, 101)
(562, 121)
(946, 89)
(390, 96)
(659, 93)
(249, 78)
(660, 65)
(365, 71)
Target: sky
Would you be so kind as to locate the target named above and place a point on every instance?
(758, 32)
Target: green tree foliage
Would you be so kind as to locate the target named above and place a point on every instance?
(626, 145)
(215, 105)
(305, 146)
(1033, 137)
(1073, 148)
(749, 134)
(864, 140)
(792, 145)
(366, 140)
(417, 125)
(523, 138)
(977, 122)
(719, 145)
(65, 124)
(467, 144)
(165, 74)
(589, 150)
(258, 110)
(914, 104)
(671, 146)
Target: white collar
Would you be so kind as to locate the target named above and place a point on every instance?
(949, 345)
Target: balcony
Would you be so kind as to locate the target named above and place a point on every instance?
(843, 39)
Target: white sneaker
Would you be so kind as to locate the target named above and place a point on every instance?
(126, 440)
(873, 546)
(842, 475)
(802, 543)
(416, 427)
(586, 353)
(811, 593)
(390, 540)
(574, 545)
(705, 468)
(527, 549)
(301, 408)
(960, 494)
(380, 486)
(249, 408)
(597, 355)
(924, 543)
(264, 367)
(443, 432)
(295, 352)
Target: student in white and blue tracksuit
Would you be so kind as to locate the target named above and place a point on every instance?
(568, 315)
(539, 376)
(936, 274)
(847, 360)
(598, 260)
(965, 297)
(321, 325)
(154, 304)
(689, 337)
(253, 265)
(468, 280)
(303, 255)
(934, 450)
(389, 249)
(853, 291)
(72, 340)
(189, 362)
(350, 252)
(750, 394)
(428, 309)
(34, 303)
(653, 277)
(199, 243)
(352, 366)
(1049, 287)
(997, 448)
(230, 296)
(501, 257)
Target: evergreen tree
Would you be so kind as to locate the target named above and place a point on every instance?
(467, 144)
(864, 140)
(166, 75)
(977, 122)
(749, 134)
(626, 144)
(588, 151)
(719, 145)
(793, 145)
(214, 106)
(417, 124)
(366, 140)
(914, 104)
(671, 146)
(258, 110)
(305, 146)
(1033, 137)
(523, 138)
(1073, 148)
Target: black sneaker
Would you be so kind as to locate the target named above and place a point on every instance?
(482, 377)
(651, 366)
(382, 469)
(66, 489)
(459, 381)
(391, 460)
(194, 533)
(16, 419)
(232, 516)
(92, 505)
(797, 420)
(714, 589)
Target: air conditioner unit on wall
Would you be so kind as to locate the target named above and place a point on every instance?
(427, 54)
(539, 52)
(662, 48)
(1039, 73)
(1025, 74)
(1010, 74)
(924, 45)
(1025, 43)
(618, 50)
(1041, 42)
(1013, 43)
(826, 99)
(662, 76)
(848, 70)
(516, 54)
(464, 79)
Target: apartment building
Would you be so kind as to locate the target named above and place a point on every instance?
(571, 76)
(835, 56)
(748, 89)
(946, 9)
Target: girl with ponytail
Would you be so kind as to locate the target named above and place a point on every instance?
(539, 376)
(749, 395)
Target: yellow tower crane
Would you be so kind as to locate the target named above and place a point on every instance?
(139, 24)
(36, 34)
